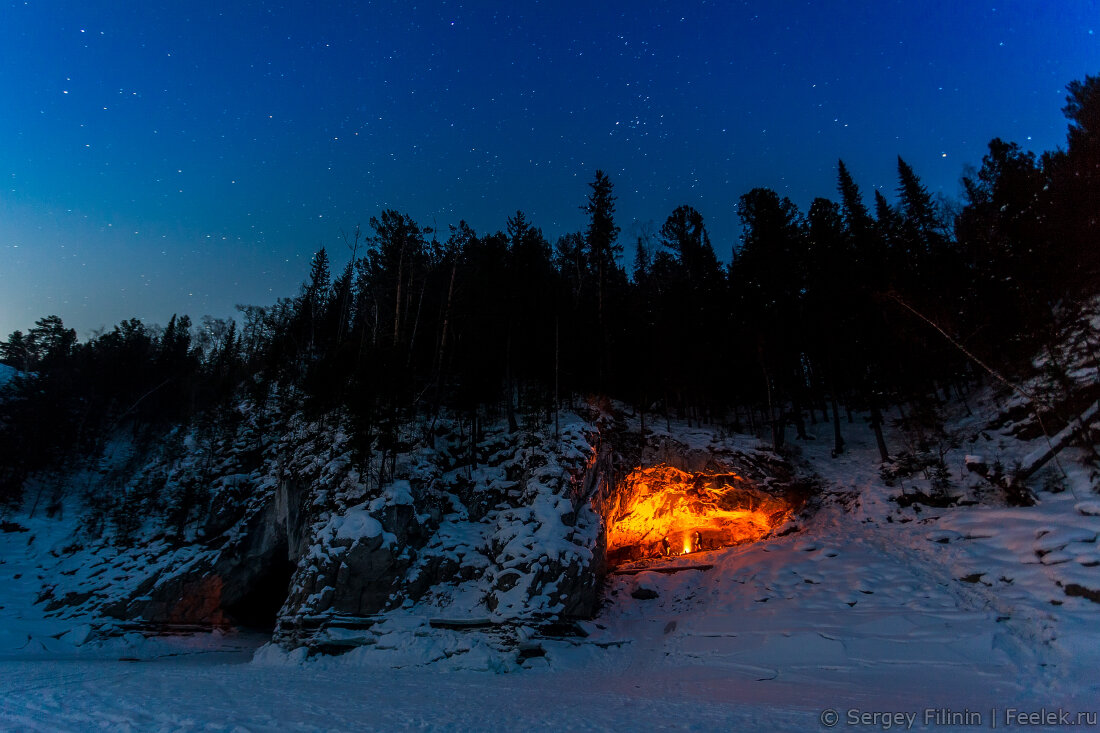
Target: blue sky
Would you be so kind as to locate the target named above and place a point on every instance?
(185, 157)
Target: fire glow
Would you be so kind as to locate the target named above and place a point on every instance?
(663, 511)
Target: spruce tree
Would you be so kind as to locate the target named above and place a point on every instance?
(601, 239)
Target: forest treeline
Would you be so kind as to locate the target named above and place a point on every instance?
(819, 311)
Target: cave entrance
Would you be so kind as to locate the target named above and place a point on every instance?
(263, 594)
(661, 511)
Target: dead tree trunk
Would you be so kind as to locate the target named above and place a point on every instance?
(876, 425)
(838, 439)
(557, 397)
(416, 324)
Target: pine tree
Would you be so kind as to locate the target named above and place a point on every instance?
(918, 211)
(1074, 196)
(15, 351)
(49, 341)
(832, 293)
(886, 218)
(642, 259)
(602, 233)
(517, 228)
(1001, 231)
(1083, 112)
(601, 238)
(767, 280)
(320, 279)
(856, 217)
(313, 300)
(684, 234)
(570, 261)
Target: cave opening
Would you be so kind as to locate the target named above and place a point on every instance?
(265, 593)
(661, 511)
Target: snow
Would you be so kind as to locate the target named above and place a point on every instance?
(7, 373)
(867, 606)
(355, 523)
(397, 493)
(201, 694)
(1089, 508)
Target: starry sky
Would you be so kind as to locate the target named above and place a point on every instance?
(162, 157)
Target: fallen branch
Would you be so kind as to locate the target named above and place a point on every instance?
(1031, 398)
(1040, 456)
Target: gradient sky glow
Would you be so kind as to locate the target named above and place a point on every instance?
(184, 157)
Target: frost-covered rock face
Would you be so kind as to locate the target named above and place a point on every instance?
(352, 562)
(703, 453)
(280, 522)
(215, 587)
(193, 528)
(445, 542)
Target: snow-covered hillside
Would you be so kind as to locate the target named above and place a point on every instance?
(868, 605)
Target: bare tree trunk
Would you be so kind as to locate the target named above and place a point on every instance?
(346, 304)
(796, 410)
(473, 440)
(772, 419)
(876, 425)
(446, 320)
(374, 326)
(509, 406)
(557, 398)
(397, 301)
(443, 342)
(599, 311)
(416, 322)
(838, 439)
(408, 299)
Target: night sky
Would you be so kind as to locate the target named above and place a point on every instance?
(192, 156)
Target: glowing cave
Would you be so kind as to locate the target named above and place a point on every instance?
(661, 511)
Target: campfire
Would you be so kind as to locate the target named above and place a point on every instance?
(662, 511)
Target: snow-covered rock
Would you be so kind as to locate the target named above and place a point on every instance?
(1088, 508)
(503, 543)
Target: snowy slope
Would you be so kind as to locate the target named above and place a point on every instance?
(868, 606)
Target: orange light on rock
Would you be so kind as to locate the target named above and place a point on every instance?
(661, 510)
